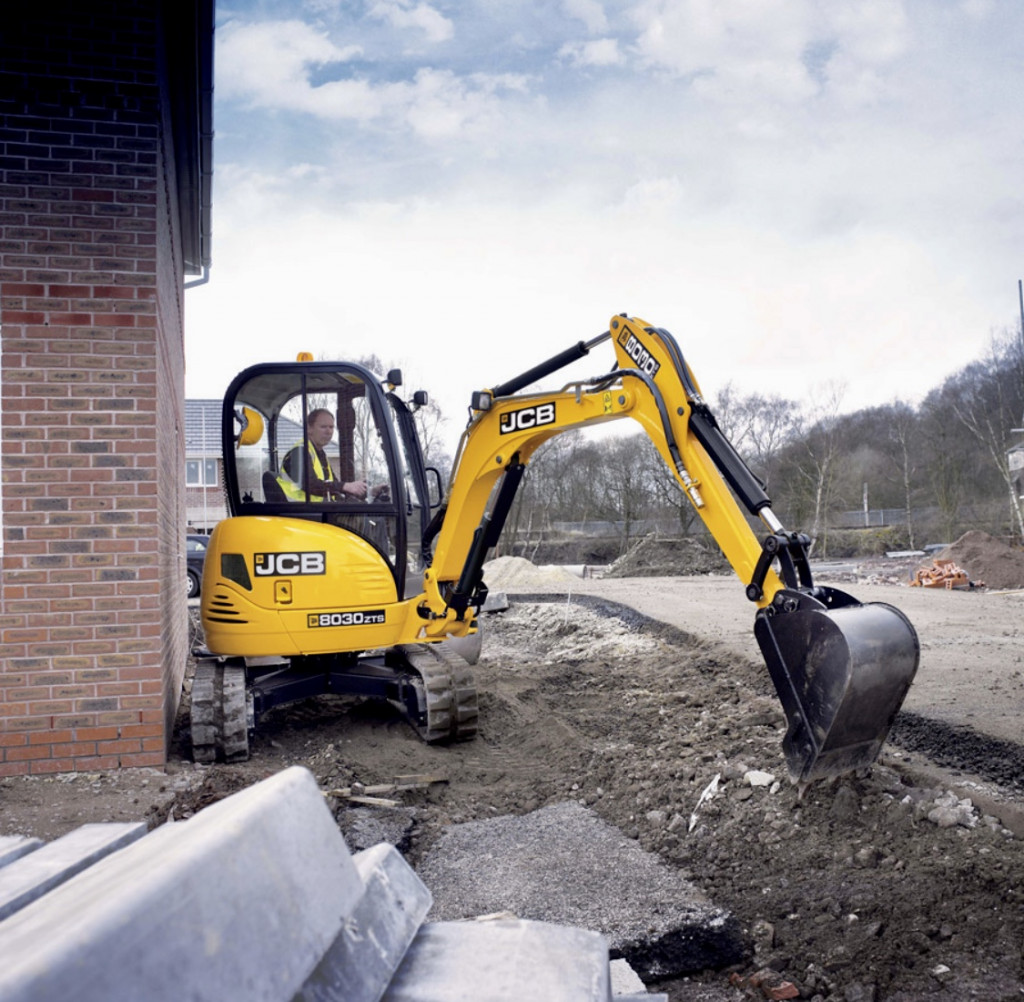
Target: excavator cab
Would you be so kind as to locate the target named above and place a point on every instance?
(273, 463)
(329, 497)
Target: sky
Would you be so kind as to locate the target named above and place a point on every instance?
(809, 194)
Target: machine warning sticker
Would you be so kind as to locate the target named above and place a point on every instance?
(526, 418)
(267, 565)
(644, 360)
(367, 617)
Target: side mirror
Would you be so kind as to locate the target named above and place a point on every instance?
(420, 398)
(435, 487)
(395, 377)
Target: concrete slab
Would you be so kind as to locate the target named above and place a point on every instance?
(258, 897)
(13, 847)
(563, 864)
(627, 986)
(502, 961)
(36, 873)
(361, 962)
(240, 901)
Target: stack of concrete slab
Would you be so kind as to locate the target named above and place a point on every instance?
(258, 897)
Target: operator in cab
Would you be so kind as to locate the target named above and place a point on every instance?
(307, 474)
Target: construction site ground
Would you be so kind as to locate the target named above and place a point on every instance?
(646, 700)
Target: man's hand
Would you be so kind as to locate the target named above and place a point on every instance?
(355, 488)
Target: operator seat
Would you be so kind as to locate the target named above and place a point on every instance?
(273, 492)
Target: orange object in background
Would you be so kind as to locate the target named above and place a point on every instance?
(943, 574)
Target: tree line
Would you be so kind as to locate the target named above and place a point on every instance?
(935, 470)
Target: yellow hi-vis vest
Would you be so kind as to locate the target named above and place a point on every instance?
(296, 492)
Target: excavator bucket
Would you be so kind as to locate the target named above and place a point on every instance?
(842, 670)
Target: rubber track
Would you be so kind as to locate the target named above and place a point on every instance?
(219, 718)
(449, 690)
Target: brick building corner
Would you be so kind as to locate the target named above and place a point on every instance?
(105, 139)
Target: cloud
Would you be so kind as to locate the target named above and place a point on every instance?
(590, 12)
(504, 288)
(873, 32)
(422, 17)
(801, 191)
(270, 65)
(979, 9)
(599, 52)
(775, 51)
(441, 105)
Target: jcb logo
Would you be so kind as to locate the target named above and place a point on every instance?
(268, 565)
(644, 360)
(527, 417)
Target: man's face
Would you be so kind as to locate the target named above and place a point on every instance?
(321, 430)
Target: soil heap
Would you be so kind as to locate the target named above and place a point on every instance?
(656, 556)
(987, 560)
(518, 574)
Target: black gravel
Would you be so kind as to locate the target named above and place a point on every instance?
(953, 746)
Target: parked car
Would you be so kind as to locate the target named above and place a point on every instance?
(195, 557)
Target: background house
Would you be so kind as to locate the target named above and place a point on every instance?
(105, 178)
(204, 478)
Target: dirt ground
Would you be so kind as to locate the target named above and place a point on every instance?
(904, 883)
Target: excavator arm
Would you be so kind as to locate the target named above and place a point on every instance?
(841, 669)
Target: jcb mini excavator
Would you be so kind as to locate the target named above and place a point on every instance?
(356, 572)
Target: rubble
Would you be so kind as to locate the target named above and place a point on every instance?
(943, 574)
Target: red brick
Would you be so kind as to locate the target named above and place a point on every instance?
(96, 733)
(85, 249)
(92, 763)
(75, 749)
(49, 766)
(126, 745)
(151, 759)
(48, 737)
(27, 753)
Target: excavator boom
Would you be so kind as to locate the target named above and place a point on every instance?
(841, 669)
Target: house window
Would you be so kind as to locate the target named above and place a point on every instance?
(200, 472)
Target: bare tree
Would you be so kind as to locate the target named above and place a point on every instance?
(666, 493)
(758, 426)
(902, 433)
(547, 490)
(430, 426)
(947, 463)
(821, 453)
(627, 487)
(988, 399)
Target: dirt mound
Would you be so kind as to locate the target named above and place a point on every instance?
(517, 574)
(987, 560)
(656, 556)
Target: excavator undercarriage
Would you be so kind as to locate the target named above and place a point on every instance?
(431, 687)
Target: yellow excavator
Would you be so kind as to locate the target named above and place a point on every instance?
(346, 566)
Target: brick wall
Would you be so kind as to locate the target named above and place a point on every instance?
(92, 609)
